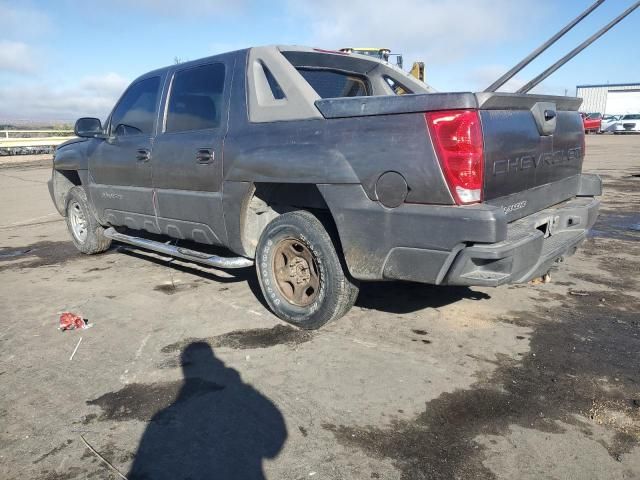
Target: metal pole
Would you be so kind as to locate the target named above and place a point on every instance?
(533, 55)
(577, 50)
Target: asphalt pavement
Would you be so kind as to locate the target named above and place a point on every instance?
(185, 373)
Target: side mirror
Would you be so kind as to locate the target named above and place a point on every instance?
(88, 127)
(399, 61)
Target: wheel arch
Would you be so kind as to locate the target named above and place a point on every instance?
(62, 181)
(264, 202)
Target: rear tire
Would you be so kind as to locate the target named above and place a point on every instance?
(86, 233)
(300, 272)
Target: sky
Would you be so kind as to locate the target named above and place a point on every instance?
(63, 59)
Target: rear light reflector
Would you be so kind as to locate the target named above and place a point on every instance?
(457, 138)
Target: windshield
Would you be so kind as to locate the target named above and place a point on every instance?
(631, 117)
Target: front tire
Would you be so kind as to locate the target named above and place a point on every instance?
(300, 272)
(86, 233)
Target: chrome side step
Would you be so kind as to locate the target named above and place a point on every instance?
(179, 252)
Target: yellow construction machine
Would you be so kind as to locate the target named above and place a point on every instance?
(417, 69)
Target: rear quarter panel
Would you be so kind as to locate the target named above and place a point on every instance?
(338, 151)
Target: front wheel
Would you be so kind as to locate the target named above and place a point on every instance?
(300, 272)
(86, 233)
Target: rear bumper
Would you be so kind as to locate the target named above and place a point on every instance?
(533, 245)
(451, 245)
(629, 128)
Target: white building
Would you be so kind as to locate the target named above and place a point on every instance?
(613, 99)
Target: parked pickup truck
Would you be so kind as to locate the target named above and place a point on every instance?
(306, 163)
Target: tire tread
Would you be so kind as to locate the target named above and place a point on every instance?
(96, 241)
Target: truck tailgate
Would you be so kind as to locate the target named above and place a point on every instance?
(533, 145)
(533, 151)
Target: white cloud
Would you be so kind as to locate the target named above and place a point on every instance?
(110, 84)
(20, 21)
(448, 35)
(186, 8)
(484, 76)
(16, 57)
(434, 30)
(481, 78)
(90, 96)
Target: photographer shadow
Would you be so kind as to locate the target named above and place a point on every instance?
(218, 427)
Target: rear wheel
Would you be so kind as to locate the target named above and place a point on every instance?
(86, 233)
(300, 272)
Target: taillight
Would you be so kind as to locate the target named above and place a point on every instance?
(457, 138)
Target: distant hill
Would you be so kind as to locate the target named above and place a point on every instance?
(36, 126)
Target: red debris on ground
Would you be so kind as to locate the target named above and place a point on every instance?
(71, 321)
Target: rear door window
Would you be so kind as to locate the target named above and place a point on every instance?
(196, 99)
(336, 84)
(135, 114)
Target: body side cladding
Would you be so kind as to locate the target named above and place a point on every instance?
(61, 182)
(72, 157)
(292, 163)
(71, 168)
(368, 231)
(249, 207)
(235, 203)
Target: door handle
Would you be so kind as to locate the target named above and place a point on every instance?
(143, 155)
(205, 156)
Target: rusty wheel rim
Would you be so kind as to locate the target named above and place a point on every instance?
(296, 271)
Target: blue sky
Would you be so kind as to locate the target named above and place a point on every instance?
(62, 59)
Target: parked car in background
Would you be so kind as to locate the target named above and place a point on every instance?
(591, 122)
(608, 122)
(629, 123)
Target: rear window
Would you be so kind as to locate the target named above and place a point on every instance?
(631, 117)
(336, 84)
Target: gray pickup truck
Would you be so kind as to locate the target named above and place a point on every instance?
(325, 169)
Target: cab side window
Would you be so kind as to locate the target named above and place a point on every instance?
(195, 102)
(136, 112)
